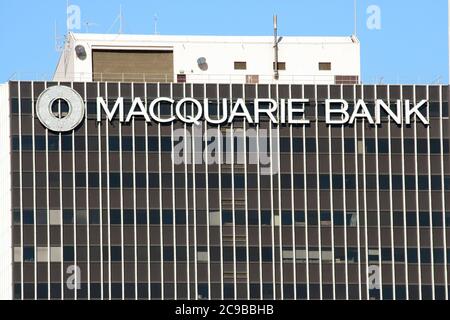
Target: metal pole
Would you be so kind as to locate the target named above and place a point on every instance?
(355, 18)
(275, 33)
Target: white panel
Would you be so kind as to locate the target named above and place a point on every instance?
(5, 197)
(42, 254)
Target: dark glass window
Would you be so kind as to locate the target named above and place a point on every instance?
(338, 183)
(227, 217)
(437, 219)
(383, 146)
(424, 219)
(68, 216)
(397, 182)
(40, 143)
(285, 145)
(127, 144)
(253, 218)
(241, 254)
(350, 181)
(240, 218)
(94, 217)
(180, 217)
(338, 218)
(349, 145)
(297, 145)
(53, 143)
(399, 255)
(286, 181)
(286, 218)
(310, 145)
(168, 254)
(154, 217)
(313, 218)
(298, 181)
(324, 182)
(299, 217)
(398, 219)
(114, 144)
(116, 253)
(128, 217)
(384, 182)
(436, 183)
(28, 217)
(411, 219)
(422, 146)
(153, 145)
(239, 181)
(370, 145)
(166, 144)
(68, 253)
(412, 255)
(409, 145)
(115, 217)
(266, 218)
(267, 254)
(410, 182)
(28, 254)
(422, 182)
(167, 217)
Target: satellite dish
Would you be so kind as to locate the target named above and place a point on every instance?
(202, 64)
(80, 52)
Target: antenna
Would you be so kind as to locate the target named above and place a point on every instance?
(155, 22)
(276, 42)
(355, 12)
(119, 19)
(59, 40)
(88, 24)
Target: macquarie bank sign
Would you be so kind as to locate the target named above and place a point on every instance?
(284, 111)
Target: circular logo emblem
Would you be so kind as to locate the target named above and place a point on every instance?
(74, 115)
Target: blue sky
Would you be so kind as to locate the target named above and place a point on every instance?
(410, 47)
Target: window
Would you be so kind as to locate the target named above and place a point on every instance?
(240, 218)
(266, 254)
(180, 217)
(128, 217)
(325, 66)
(324, 182)
(299, 217)
(168, 253)
(94, 217)
(310, 145)
(154, 217)
(68, 254)
(286, 218)
(266, 218)
(240, 65)
(253, 218)
(281, 66)
(28, 254)
(115, 217)
(28, 217)
(227, 217)
(167, 217)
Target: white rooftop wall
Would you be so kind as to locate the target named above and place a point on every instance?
(301, 55)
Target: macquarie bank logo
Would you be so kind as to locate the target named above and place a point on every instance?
(284, 111)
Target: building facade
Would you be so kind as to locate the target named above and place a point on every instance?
(209, 59)
(114, 210)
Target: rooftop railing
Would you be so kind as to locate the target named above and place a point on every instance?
(216, 78)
